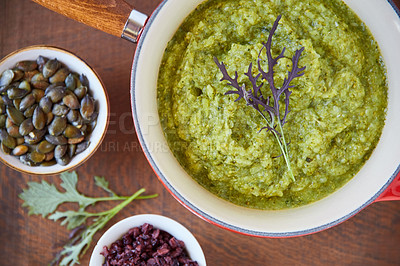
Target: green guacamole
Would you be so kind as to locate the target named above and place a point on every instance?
(337, 106)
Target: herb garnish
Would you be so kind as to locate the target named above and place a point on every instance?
(44, 198)
(268, 108)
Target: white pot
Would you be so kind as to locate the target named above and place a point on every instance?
(366, 187)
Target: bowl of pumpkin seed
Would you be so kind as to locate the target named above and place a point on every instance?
(54, 110)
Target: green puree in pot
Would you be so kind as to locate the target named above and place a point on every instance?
(337, 107)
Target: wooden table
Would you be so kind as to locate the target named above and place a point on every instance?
(372, 237)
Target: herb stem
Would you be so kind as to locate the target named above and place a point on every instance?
(282, 143)
(122, 198)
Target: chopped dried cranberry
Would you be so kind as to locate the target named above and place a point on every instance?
(147, 246)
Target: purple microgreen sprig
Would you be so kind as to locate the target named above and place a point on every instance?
(267, 107)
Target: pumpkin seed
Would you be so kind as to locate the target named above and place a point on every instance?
(46, 104)
(25, 159)
(16, 116)
(59, 76)
(26, 127)
(60, 110)
(82, 147)
(56, 140)
(50, 67)
(87, 107)
(16, 93)
(41, 61)
(45, 147)
(72, 132)
(7, 140)
(71, 101)
(20, 140)
(73, 115)
(80, 92)
(60, 151)
(6, 77)
(26, 65)
(76, 140)
(71, 150)
(18, 74)
(70, 82)
(39, 118)
(25, 86)
(57, 126)
(13, 131)
(17, 103)
(29, 75)
(19, 150)
(49, 156)
(6, 150)
(3, 121)
(50, 117)
(39, 81)
(48, 163)
(38, 94)
(36, 157)
(27, 102)
(29, 112)
(56, 94)
(35, 136)
(63, 160)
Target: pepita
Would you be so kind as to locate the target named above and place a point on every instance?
(50, 67)
(87, 107)
(16, 116)
(72, 132)
(29, 112)
(39, 81)
(36, 157)
(71, 101)
(60, 151)
(46, 104)
(45, 147)
(27, 65)
(39, 118)
(7, 140)
(29, 75)
(41, 61)
(56, 94)
(27, 102)
(82, 147)
(25, 159)
(26, 127)
(57, 126)
(56, 140)
(38, 94)
(59, 76)
(70, 82)
(19, 150)
(60, 110)
(6, 78)
(6, 150)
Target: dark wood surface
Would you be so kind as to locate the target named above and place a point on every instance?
(372, 237)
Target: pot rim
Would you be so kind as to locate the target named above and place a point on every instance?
(188, 204)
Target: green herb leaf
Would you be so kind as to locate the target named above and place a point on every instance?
(103, 183)
(44, 198)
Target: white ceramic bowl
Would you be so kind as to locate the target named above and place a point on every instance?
(161, 222)
(376, 175)
(96, 88)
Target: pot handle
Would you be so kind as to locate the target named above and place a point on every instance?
(392, 192)
(115, 17)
